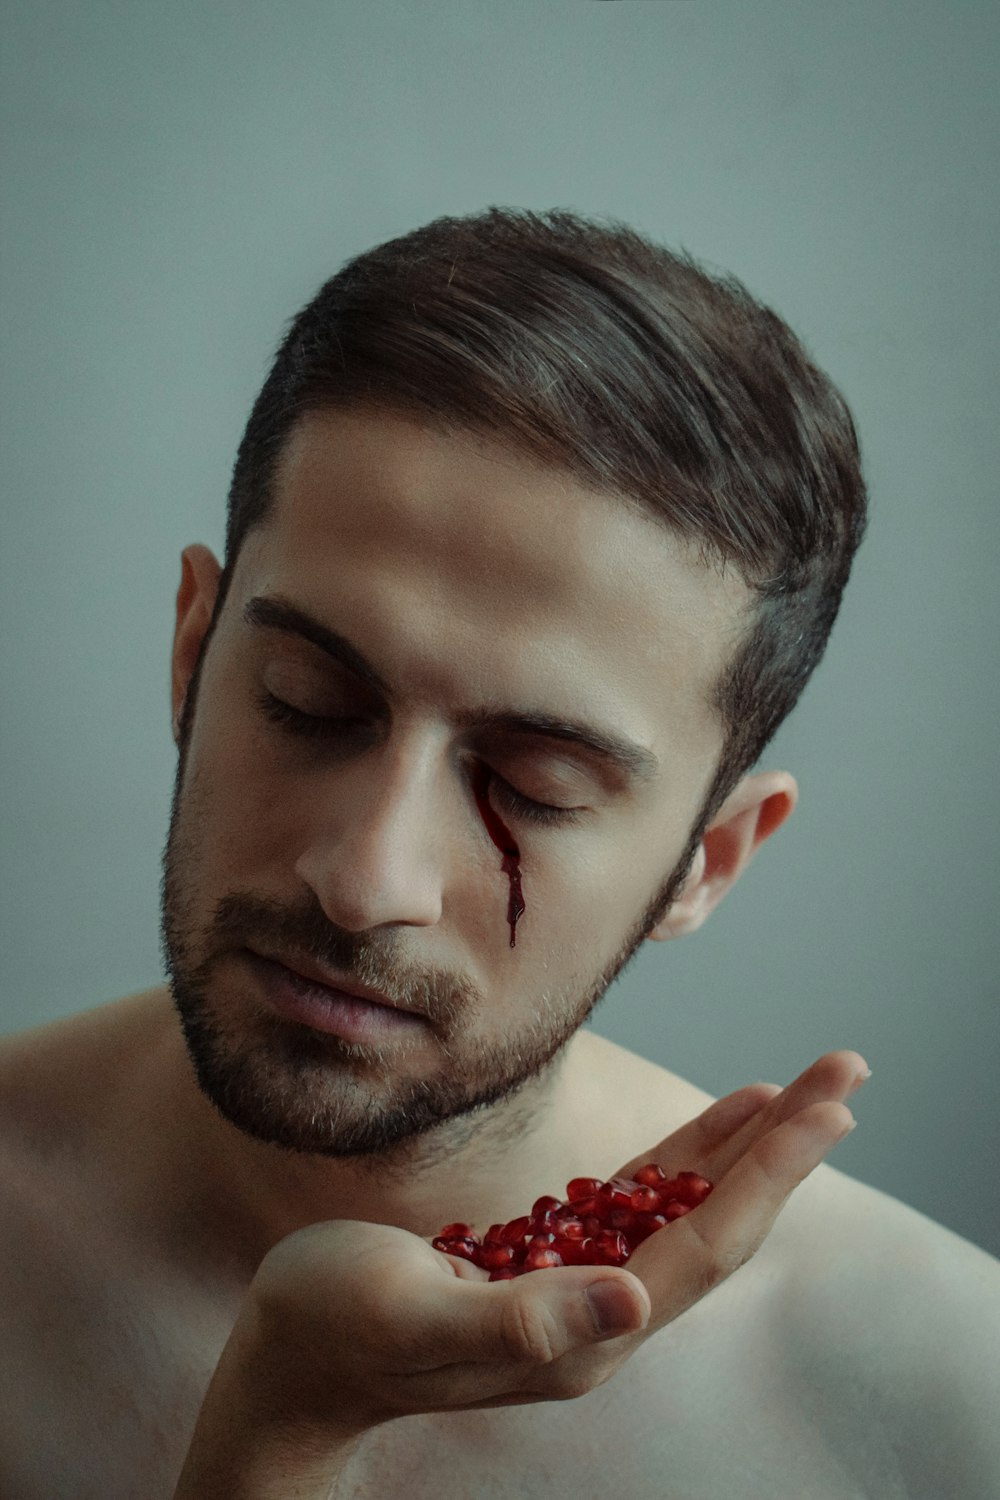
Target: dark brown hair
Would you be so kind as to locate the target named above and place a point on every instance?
(585, 345)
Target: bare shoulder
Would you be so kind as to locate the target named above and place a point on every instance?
(866, 1332)
(883, 1306)
(649, 1101)
(59, 1070)
(66, 1088)
(97, 1379)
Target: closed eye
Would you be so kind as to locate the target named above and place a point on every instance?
(527, 807)
(317, 726)
(310, 726)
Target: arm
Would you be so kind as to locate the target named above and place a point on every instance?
(247, 1446)
(348, 1325)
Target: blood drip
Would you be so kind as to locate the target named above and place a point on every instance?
(504, 841)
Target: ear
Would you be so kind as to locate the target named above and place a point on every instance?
(199, 585)
(754, 809)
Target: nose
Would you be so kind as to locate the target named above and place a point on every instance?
(376, 850)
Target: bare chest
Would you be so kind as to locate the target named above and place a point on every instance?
(711, 1407)
(100, 1405)
(105, 1353)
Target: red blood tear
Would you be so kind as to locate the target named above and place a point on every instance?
(505, 842)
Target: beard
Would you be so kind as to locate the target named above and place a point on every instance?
(313, 1093)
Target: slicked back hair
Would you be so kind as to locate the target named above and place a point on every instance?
(587, 346)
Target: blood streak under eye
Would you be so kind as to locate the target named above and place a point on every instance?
(504, 841)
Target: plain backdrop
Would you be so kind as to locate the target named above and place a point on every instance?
(178, 178)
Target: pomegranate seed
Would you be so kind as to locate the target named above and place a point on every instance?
(694, 1189)
(514, 1232)
(539, 1260)
(613, 1246)
(618, 1192)
(567, 1227)
(544, 1207)
(495, 1257)
(458, 1232)
(582, 1206)
(541, 1241)
(582, 1187)
(601, 1223)
(575, 1252)
(647, 1225)
(623, 1219)
(464, 1247)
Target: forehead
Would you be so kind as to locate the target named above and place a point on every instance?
(470, 570)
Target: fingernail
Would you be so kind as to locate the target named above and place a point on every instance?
(860, 1078)
(612, 1307)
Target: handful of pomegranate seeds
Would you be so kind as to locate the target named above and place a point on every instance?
(599, 1224)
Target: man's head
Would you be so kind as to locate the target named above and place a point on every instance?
(590, 348)
(527, 468)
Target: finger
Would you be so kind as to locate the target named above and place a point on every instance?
(833, 1077)
(534, 1319)
(540, 1337)
(686, 1259)
(687, 1147)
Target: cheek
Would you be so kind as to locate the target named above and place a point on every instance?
(572, 909)
(603, 889)
(236, 809)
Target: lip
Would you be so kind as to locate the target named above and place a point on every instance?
(311, 996)
(306, 969)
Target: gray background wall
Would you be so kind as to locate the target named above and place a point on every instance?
(179, 178)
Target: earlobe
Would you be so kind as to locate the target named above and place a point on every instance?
(196, 595)
(755, 808)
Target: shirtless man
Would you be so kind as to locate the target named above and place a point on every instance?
(500, 528)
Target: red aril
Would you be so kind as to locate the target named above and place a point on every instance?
(599, 1224)
(693, 1188)
(514, 1232)
(541, 1259)
(613, 1247)
(458, 1232)
(582, 1187)
(466, 1248)
(495, 1257)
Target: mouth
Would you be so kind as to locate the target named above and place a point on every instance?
(305, 992)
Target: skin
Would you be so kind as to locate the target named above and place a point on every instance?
(465, 575)
(284, 1306)
(190, 1309)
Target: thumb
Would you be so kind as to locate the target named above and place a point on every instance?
(536, 1318)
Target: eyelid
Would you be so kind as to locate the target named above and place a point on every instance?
(558, 786)
(314, 727)
(300, 721)
(542, 813)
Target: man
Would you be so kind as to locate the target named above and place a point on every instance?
(535, 534)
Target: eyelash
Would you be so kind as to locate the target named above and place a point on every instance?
(314, 726)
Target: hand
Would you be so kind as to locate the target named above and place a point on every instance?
(347, 1325)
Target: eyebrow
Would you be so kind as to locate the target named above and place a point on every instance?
(634, 761)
